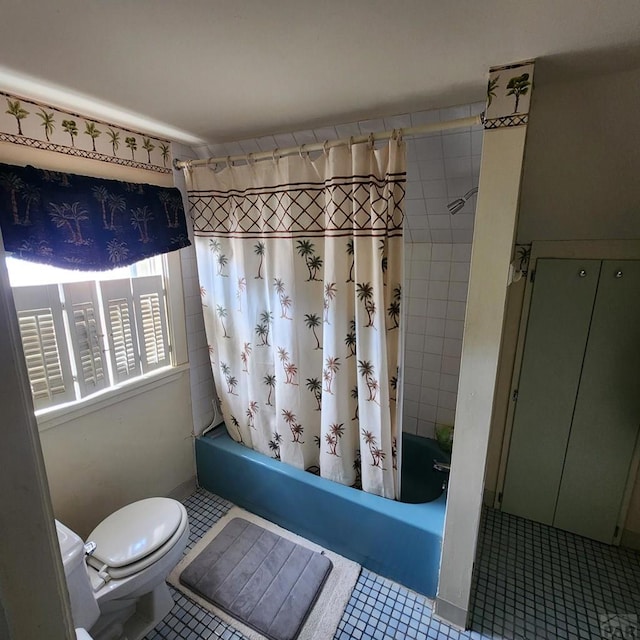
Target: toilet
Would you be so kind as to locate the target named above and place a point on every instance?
(116, 580)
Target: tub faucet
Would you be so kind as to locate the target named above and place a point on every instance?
(443, 467)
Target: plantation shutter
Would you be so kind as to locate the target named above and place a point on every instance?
(44, 344)
(117, 302)
(151, 320)
(85, 326)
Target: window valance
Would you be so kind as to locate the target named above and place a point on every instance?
(79, 222)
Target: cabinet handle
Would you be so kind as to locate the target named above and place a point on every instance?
(582, 273)
(618, 274)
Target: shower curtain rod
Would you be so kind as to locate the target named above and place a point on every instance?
(323, 146)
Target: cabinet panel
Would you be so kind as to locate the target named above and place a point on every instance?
(607, 413)
(557, 330)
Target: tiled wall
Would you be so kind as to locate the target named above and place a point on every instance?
(436, 280)
(203, 399)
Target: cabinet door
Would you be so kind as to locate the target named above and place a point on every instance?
(607, 414)
(557, 329)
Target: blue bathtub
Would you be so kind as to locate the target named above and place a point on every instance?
(397, 540)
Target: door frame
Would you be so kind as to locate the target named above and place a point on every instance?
(577, 250)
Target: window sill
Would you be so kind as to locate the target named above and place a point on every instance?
(55, 416)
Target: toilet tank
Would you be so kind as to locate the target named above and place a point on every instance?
(84, 607)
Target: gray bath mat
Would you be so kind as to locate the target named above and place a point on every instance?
(260, 578)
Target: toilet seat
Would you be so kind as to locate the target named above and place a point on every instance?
(135, 537)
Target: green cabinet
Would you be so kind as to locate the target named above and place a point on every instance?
(578, 402)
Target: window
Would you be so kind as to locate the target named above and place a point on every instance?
(84, 332)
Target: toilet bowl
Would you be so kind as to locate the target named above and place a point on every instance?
(116, 581)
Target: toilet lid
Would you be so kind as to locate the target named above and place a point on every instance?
(135, 531)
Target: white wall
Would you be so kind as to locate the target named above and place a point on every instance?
(436, 282)
(582, 160)
(580, 182)
(135, 448)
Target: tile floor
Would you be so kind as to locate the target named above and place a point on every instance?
(531, 582)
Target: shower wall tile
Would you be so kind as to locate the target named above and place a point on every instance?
(436, 280)
(204, 406)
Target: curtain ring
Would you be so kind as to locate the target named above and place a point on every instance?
(229, 163)
(400, 134)
(250, 160)
(301, 151)
(394, 134)
(325, 147)
(274, 155)
(371, 140)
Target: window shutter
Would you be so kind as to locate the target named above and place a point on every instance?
(151, 319)
(44, 344)
(117, 302)
(85, 327)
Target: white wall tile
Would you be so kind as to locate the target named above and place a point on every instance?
(267, 143)
(462, 235)
(397, 122)
(459, 167)
(250, 146)
(425, 429)
(433, 344)
(463, 221)
(451, 365)
(431, 362)
(442, 252)
(446, 416)
(457, 291)
(461, 253)
(326, 133)
(413, 191)
(460, 271)
(454, 113)
(435, 189)
(457, 145)
(304, 137)
(436, 308)
(452, 347)
(427, 412)
(431, 380)
(455, 310)
(441, 235)
(425, 117)
(431, 169)
(435, 327)
(454, 329)
(449, 382)
(413, 358)
(429, 396)
(440, 290)
(348, 130)
(440, 270)
(371, 126)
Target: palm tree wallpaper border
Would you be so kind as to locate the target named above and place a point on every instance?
(509, 95)
(40, 126)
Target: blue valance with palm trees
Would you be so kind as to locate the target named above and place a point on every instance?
(79, 222)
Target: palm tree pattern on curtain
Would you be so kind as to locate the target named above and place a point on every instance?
(300, 265)
(80, 222)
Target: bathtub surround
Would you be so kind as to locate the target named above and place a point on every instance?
(494, 234)
(400, 541)
(300, 265)
(436, 281)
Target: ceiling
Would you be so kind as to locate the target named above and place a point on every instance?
(220, 70)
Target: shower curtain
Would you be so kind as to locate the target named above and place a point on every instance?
(300, 264)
